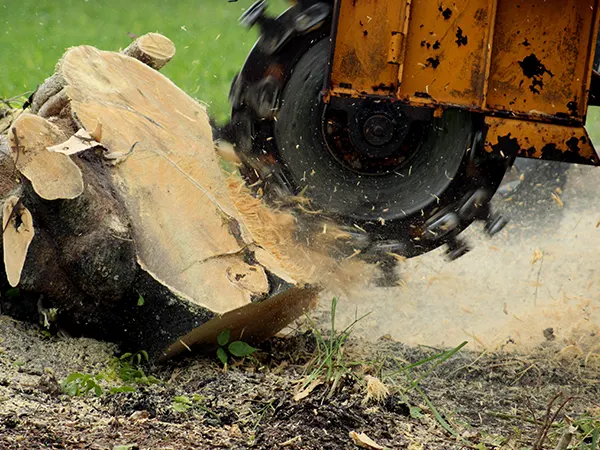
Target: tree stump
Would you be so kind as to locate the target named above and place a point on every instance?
(118, 221)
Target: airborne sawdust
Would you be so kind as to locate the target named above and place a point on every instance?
(307, 251)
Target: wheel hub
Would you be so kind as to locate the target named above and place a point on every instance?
(373, 139)
(378, 130)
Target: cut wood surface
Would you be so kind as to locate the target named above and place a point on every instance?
(139, 240)
(17, 234)
(188, 234)
(152, 49)
(52, 175)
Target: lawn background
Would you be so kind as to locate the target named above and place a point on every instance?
(211, 46)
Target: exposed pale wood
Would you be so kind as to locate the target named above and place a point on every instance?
(158, 221)
(17, 234)
(79, 142)
(52, 175)
(252, 323)
(152, 49)
(306, 251)
(187, 231)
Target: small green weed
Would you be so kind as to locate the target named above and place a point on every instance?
(226, 349)
(77, 384)
(183, 404)
(329, 364)
(126, 369)
(587, 436)
(414, 381)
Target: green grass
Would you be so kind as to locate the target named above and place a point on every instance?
(211, 46)
(329, 364)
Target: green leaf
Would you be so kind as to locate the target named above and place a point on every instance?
(125, 447)
(182, 399)
(71, 389)
(180, 407)
(73, 376)
(125, 356)
(12, 293)
(118, 389)
(222, 356)
(223, 338)
(151, 380)
(181, 403)
(240, 349)
(141, 300)
(415, 412)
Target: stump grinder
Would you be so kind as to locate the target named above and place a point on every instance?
(399, 119)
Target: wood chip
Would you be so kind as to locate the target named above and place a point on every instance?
(291, 441)
(397, 257)
(364, 441)
(97, 132)
(537, 255)
(557, 200)
(376, 390)
(79, 142)
(307, 390)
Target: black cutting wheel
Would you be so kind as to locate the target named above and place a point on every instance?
(410, 180)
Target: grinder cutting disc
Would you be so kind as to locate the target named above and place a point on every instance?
(410, 180)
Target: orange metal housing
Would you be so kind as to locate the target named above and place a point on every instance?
(526, 65)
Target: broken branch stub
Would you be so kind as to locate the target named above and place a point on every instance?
(152, 49)
(17, 234)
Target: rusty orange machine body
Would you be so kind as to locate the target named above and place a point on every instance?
(526, 65)
(402, 117)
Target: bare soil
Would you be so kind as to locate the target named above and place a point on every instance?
(489, 400)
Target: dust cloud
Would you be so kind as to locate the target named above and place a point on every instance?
(536, 281)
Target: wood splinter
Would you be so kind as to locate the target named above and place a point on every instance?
(17, 234)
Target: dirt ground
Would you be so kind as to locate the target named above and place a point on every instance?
(526, 301)
(487, 400)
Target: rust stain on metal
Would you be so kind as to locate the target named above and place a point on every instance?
(540, 60)
(530, 61)
(368, 47)
(513, 137)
